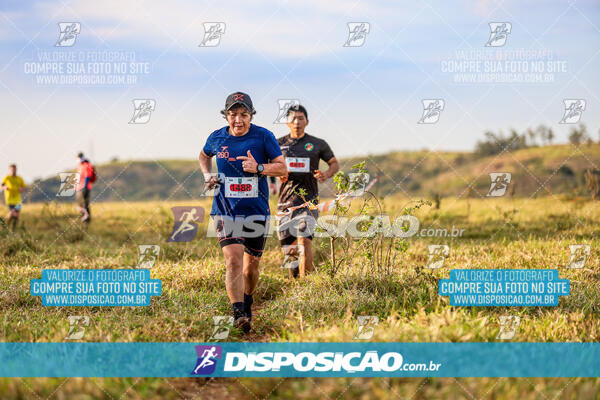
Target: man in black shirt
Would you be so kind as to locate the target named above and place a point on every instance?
(302, 154)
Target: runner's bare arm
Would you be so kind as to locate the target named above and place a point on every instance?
(276, 167)
(334, 167)
(205, 163)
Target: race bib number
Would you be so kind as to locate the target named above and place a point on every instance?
(298, 164)
(241, 187)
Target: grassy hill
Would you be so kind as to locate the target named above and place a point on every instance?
(536, 171)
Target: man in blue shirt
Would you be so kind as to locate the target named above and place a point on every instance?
(246, 155)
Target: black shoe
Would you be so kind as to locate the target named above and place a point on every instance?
(243, 323)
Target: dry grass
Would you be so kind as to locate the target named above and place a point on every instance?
(501, 233)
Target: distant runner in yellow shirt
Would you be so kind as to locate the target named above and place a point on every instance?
(12, 186)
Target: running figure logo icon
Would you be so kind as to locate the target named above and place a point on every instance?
(579, 255)
(284, 106)
(366, 327)
(186, 221)
(357, 183)
(357, 33)
(573, 110)
(498, 34)
(222, 326)
(432, 109)
(207, 359)
(77, 324)
(508, 326)
(212, 34)
(290, 255)
(148, 255)
(68, 184)
(499, 184)
(437, 255)
(142, 109)
(68, 33)
(221, 177)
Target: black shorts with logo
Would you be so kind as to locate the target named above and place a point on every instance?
(252, 233)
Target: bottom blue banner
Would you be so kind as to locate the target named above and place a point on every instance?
(222, 359)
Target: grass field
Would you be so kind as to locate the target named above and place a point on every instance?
(498, 233)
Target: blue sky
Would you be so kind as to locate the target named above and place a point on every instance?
(362, 100)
